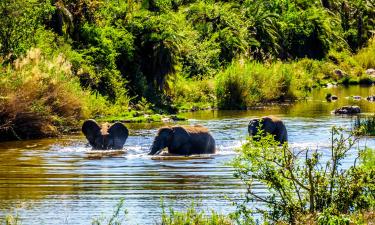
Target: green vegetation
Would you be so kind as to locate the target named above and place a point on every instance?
(304, 185)
(366, 125)
(182, 55)
(193, 217)
(117, 218)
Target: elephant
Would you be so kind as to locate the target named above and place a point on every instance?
(105, 137)
(270, 125)
(348, 110)
(184, 140)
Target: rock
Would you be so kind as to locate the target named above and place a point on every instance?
(339, 73)
(371, 98)
(348, 110)
(357, 98)
(166, 120)
(370, 72)
(330, 97)
(177, 118)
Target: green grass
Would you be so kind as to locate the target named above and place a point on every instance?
(193, 217)
(365, 125)
(140, 117)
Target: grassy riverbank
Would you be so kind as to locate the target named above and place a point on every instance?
(41, 97)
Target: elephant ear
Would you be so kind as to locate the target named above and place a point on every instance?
(118, 133)
(91, 130)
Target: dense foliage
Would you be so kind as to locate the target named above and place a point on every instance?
(138, 45)
(188, 54)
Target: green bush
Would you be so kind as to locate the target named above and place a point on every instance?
(301, 183)
(243, 84)
(39, 97)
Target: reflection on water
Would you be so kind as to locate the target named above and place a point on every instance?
(61, 181)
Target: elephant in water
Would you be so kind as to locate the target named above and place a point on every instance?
(105, 137)
(184, 140)
(270, 125)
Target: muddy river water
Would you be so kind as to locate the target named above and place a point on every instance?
(61, 181)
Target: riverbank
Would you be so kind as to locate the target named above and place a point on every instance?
(41, 97)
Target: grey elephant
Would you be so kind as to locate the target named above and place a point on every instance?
(105, 136)
(184, 140)
(270, 125)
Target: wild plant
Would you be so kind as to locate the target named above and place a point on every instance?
(303, 183)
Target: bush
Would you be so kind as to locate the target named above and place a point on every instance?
(301, 183)
(243, 84)
(38, 95)
(192, 93)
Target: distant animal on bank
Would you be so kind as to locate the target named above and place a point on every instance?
(349, 109)
(184, 140)
(105, 136)
(270, 125)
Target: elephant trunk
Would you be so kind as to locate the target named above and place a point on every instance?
(155, 148)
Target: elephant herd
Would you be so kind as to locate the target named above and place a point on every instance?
(180, 140)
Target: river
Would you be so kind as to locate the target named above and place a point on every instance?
(61, 181)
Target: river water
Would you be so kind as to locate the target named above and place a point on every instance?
(61, 181)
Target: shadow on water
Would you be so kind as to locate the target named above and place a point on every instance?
(62, 181)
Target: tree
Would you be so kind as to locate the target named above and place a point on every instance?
(19, 20)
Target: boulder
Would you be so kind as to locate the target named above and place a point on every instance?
(347, 110)
(339, 73)
(330, 97)
(356, 97)
(370, 72)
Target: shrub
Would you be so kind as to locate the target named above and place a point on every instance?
(301, 183)
(243, 84)
(40, 95)
(192, 93)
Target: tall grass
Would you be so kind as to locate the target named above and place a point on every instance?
(188, 93)
(243, 84)
(366, 56)
(365, 125)
(39, 96)
(193, 217)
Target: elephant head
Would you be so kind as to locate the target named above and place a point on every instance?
(253, 128)
(162, 140)
(105, 137)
